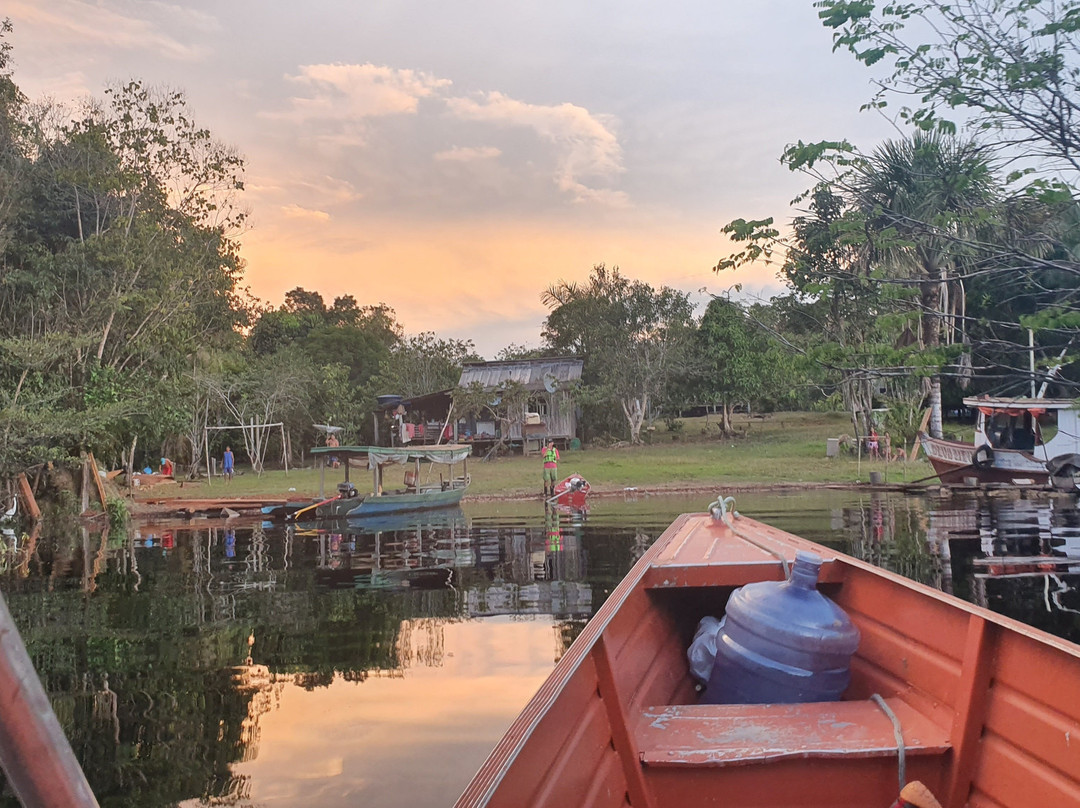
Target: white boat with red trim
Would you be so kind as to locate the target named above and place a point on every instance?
(1018, 441)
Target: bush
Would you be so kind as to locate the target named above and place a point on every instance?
(119, 515)
(674, 425)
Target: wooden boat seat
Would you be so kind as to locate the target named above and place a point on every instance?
(717, 735)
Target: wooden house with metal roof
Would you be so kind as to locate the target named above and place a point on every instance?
(550, 411)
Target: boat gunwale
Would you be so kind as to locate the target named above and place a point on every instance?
(499, 760)
(959, 444)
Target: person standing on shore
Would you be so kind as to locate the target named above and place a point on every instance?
(551, 467)
(227, 464)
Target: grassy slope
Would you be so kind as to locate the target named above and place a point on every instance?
(780, 449)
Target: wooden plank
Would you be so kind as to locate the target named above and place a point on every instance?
(1041, 670)
(907, 611)
(980, 800)
(636, 608)
(621, 738)
(608, 788)
(528, 771)
(1013, 778)
(970, 702)
(792, 783)
(26, 494)
(668, 680)
(729, 574)
(907, 658)
(631, 667)
(97, 482)
(581, 758)
(867, 678)
(737, 734)
(1049, 733)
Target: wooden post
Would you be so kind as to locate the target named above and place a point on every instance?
(27, 495)
(206, 450)
(97, 481)
(84, 495)
(129, 466)
(446, 423)
(322, 475)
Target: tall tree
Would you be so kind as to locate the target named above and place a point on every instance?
(118, 264)
(925, 199)
(1010, 72)
(633, 338)
(731, 352)
(423, 363)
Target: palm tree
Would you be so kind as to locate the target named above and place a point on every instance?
(925, 198)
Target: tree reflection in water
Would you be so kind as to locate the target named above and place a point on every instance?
(162, 651)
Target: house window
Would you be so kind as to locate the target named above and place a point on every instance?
(538, 405)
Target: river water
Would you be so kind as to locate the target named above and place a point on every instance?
(260, 666)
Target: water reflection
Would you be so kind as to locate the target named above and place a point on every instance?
(378, 662)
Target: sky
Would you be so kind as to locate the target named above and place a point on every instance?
(454, 159)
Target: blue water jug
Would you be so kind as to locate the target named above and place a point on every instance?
(782, 642)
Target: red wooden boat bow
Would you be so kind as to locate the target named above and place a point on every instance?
(987, 708)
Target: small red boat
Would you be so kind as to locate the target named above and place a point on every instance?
(571, 492)
(984, 711)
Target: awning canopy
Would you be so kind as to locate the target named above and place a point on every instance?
(991, 404)
(992, 411)
(446, 454)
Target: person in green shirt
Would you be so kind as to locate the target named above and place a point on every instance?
(551, 467)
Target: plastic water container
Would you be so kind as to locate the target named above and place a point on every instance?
(782, 642)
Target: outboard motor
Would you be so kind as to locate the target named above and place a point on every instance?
(346, 490)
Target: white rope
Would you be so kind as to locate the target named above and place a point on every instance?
(723, 510)
(898, 734)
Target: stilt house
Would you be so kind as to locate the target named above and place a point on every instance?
(550, 411)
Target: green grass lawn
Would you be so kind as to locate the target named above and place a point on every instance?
(783, 448)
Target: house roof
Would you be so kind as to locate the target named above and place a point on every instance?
(532, 374)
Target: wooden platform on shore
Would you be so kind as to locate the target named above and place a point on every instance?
(215, 505)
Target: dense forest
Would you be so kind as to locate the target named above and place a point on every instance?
(937, 264)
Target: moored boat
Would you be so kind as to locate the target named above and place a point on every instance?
(1011, 444)
(571, 492)
(982, 709)
(415, 493)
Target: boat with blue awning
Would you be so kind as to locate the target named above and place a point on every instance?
(418, 491)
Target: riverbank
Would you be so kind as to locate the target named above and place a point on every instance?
(782, 450)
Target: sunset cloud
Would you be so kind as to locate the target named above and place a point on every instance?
(467, 154)
(141, 26)
(587, 147)
(297, 212)
(352, 92)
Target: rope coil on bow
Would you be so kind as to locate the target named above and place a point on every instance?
(723, 510)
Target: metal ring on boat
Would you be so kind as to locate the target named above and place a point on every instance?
(983, 457)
